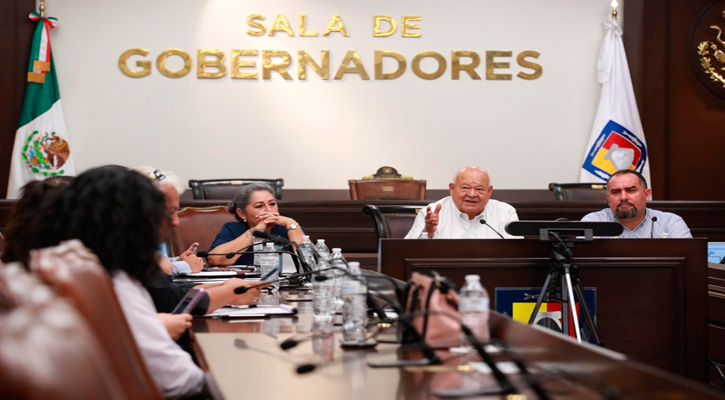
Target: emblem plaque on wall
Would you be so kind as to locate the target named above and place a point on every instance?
(707, 47)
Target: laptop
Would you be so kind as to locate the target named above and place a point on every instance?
(715, 252)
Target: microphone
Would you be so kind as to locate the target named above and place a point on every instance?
(243, 250)
(483, 222)
(245, 289)
(271, 237)
(652, 231)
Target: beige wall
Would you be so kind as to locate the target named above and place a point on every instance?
(315, 133)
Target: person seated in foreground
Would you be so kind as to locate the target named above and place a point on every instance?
(32, 195)
(468, 213)
(120, 216)
(255, 208)
(627, 195)
(172, 186)
(165, 292)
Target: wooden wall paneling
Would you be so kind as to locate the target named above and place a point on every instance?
(645, 29)
(651, 294)
(697, 116)
(16, 32)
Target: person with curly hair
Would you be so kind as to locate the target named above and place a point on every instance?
(121, 216)
(32, 195)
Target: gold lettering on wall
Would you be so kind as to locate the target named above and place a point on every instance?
(145, 65)
(408, 25)
(379, 55)
(281, 25)
(161, 63)
(252, 21)
(521, 60)
(378, 30)
(217, 62)
(358, 68)
(470, 69)
(415, 65)
(336, 25)
(238, 64)
(268, 66)
(303, 27)
(491, 65)
(304, 59)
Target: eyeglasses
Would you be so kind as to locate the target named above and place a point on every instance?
(158, 175)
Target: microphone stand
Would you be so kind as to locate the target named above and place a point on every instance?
(505, 385)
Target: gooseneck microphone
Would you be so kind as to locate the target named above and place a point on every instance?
(243, 250)
(483, 222)
(245, 289)
(652, 231)
(271, 237)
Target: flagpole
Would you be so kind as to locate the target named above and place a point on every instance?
(42, 8)
(614, 5)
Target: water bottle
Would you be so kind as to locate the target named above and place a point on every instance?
(269, 265)
(322, 292)
(322, 248)
(354, 307)
(308, 254)
(474, 308)
(340, 265)
(258, 247)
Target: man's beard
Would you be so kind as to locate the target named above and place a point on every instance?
(626, 213)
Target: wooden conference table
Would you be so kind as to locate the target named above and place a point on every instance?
(246, 361)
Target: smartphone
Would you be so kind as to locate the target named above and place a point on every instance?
(189, 301)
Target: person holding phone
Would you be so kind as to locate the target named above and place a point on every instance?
(255, 208)
(166, 293)
(121, 216)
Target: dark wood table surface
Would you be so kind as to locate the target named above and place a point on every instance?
(246, 361)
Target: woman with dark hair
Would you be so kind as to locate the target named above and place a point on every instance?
(121, 217)
(255, 208)
(32, 196)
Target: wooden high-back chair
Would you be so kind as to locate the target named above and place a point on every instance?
(76, 274)
(387, 184)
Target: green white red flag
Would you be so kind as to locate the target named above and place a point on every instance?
(41, 147)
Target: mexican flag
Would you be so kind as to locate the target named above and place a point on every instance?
(41, 147)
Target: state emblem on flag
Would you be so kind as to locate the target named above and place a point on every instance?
(45, 154)
(615, 149)
(519, 303)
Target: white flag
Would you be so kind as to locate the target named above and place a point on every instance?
(617, 140)
(41, 147)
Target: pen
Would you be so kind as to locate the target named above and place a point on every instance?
(270, 273)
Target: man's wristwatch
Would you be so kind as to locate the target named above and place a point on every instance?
(293, 226)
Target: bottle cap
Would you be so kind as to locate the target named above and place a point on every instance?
(354, 266)
(474, 278)
(320, 240)
(336, 250)
(305, 237)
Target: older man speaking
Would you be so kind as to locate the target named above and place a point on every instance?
(468, 213)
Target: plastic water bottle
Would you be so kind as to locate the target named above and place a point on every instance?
(269, 264)
(258, 247)
(322, 291)
(322, 248)
(340, 265)
(473, 306)
(308, 254)
(354, 308)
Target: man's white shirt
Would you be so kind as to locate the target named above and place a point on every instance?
(453, 224)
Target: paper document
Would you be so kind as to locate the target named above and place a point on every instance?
(213, 274)
(252, 312)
